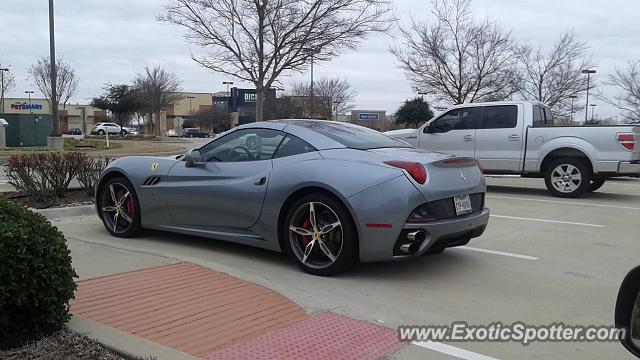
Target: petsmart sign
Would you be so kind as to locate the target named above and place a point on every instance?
(368, 116)
(25, 106)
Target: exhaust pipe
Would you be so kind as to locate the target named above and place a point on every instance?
(409, 248)
(417, 236)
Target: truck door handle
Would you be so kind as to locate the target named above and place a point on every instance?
(468, 137)
(262, 181)
(514, 137)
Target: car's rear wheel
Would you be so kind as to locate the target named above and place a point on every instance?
(119, 208)
(321, 237)
(568, 177)
(101, 132)
(596, 184)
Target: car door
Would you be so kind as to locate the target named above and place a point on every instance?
(452, 132)
(500, 139)
(113, 128)
(227, 187)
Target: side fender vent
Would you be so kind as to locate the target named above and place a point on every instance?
(151, 180)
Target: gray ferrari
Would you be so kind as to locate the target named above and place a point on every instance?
(329, 194)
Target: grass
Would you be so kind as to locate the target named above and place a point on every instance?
(88, 145)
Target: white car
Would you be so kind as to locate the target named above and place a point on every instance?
(102, 128)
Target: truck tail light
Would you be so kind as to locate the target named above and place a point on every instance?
(415, 169)
(627, 141)
(480, 166)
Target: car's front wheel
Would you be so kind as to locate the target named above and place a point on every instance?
(101, 132)
(119, 208)
(321, 237)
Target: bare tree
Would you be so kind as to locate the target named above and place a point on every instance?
(157, 89)
(258, 40)
(554, 77)
(66, 80)
(7, 84)
(456, 58)
(627, 83)
(334, 95)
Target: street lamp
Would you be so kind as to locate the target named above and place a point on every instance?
(2, 70)
(337, 104)
(54, 76)
(573, 98)
(227, 83)
(312, 51)
(190, 111)
(593, 109)
(588, 72)
(29, 92)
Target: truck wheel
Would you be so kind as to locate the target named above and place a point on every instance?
(596, 184)
(568, 177)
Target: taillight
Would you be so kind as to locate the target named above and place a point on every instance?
(480, 166)
(415, 169)
(627, 141)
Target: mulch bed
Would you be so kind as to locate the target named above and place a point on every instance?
(73, 197)
(64, 344)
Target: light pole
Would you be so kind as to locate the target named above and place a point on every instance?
(29, 92)
(227, 83)
(312, 51)
(573, 98)
(588, 72)
(2, 70)
(593, 109)
(190, 111)
(337, 104)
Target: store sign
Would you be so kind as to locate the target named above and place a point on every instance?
(368, 116)
(25, 106)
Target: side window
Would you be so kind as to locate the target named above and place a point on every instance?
(243, 145)
(499, 117)
(538, 116)
(548, 116)
(292, 145)
(456, 119)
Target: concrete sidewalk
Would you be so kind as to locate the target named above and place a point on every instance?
(149, 304)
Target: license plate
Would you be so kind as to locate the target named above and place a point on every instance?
(463, 204)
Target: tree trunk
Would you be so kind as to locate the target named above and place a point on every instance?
(259, 103)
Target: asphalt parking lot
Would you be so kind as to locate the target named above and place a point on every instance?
(542, 260)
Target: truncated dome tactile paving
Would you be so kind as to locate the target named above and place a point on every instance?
(185, 307)
(321, 337)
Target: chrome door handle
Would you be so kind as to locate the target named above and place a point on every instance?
(514, 137)
(468, 137)
(262, 181)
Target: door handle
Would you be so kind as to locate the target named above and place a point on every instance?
(262, 181)
(468, 137)
(514, 137)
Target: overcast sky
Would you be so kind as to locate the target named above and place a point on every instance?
(109, 41)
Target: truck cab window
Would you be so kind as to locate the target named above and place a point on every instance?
(456, 119)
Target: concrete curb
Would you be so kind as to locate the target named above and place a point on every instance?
(57, 213)
(125, 344)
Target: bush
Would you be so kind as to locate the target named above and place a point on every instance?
(36, 275)
(90, 171)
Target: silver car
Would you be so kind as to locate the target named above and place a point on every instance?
(329, 194)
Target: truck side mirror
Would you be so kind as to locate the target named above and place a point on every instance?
(430, 129)
(628, 311)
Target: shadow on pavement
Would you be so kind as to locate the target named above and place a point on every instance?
(517, 190)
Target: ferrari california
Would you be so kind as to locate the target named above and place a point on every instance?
(329, 194)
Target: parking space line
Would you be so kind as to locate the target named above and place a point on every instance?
(563, 202)
(547, 221)
(501, 253)
(452, 350)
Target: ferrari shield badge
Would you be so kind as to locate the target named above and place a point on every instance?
(154, 166)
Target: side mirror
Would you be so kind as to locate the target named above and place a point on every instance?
(628, 311)
(430, 129)
(192, 157)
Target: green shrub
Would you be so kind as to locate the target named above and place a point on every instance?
(36, 276)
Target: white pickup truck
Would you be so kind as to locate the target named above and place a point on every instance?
(520, 138)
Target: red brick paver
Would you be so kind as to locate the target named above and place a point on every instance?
(324, 336)
(185, 306)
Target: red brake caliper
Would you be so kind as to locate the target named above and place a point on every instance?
(130, 208)
(306, 239)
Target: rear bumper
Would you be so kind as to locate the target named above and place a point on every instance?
(629, 168)
(447, 233)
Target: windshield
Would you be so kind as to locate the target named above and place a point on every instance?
(352, 136)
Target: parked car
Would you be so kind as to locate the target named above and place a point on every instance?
(330, 194)
(520, 137)
(627, 314)
(194, 133)
(102, 128)
(74, 133)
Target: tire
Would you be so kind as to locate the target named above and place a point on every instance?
(340, 240)
(123, 133)
(101, 132)
(596, 184)
(111, 214)
(568, 177)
